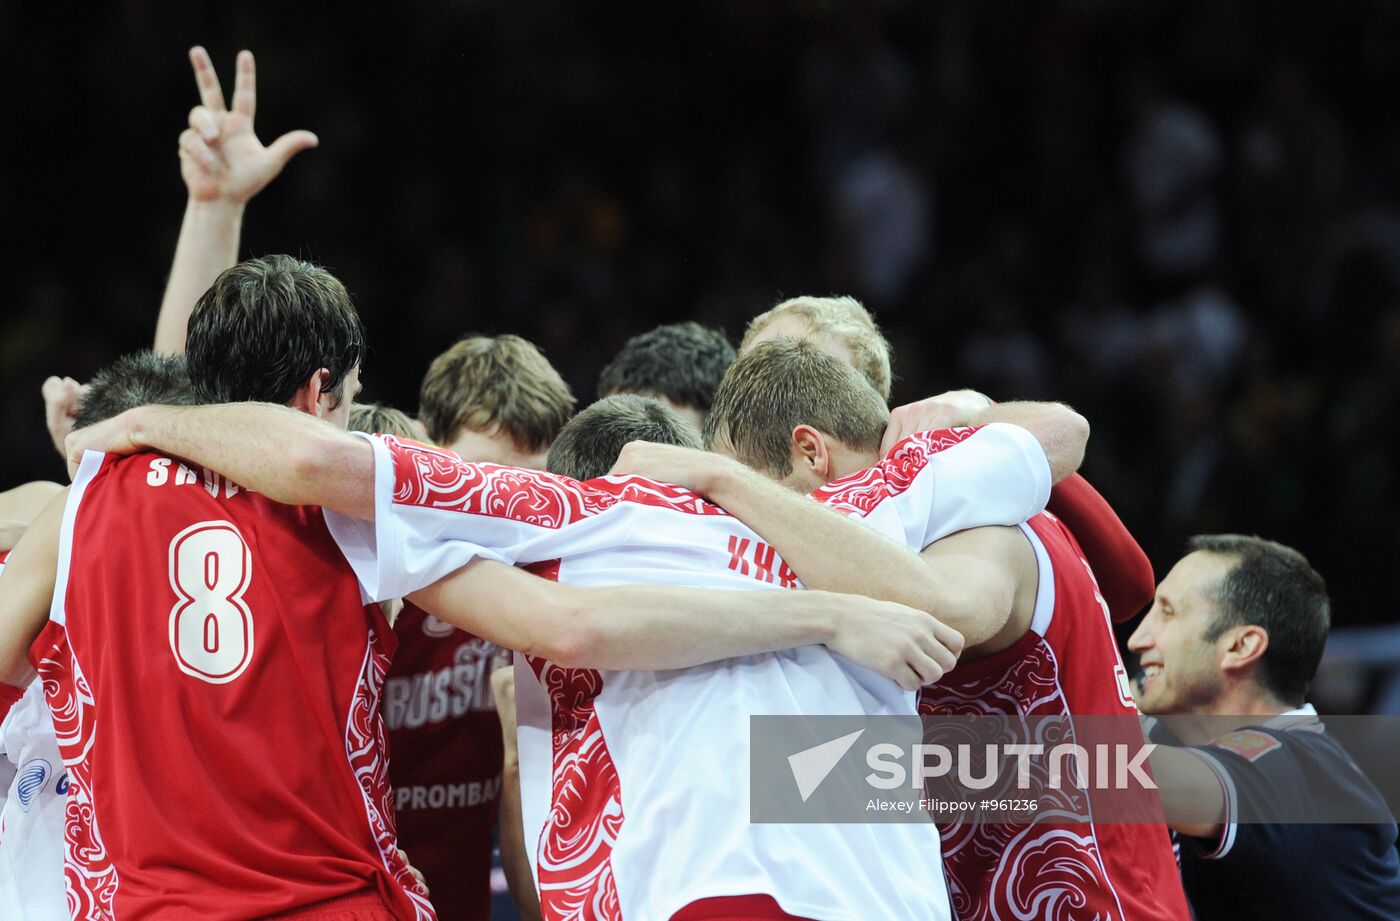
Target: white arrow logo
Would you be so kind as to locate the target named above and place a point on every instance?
(811, 766)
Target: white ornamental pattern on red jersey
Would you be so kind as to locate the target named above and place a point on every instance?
(575, 848)
(90, 880)
(1038, 870)
(365, 745)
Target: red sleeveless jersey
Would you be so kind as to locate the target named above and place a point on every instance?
(1066, 664)
(215, 682)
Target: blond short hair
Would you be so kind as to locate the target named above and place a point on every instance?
(378, 419)
(495, 384)
(846, 320)
(781, 384)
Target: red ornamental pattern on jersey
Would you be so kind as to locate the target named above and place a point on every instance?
(859, 493)
(431, 478)
(1036, 870)
(365, 747)
(575, 849)
(90, 880)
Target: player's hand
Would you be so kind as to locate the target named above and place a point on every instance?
(417, 873)
(116, 435)
(899, 642)
(956, 407)
(61, 396)
(221, 158)
(689, 468)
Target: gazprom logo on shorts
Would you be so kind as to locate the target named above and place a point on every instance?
(30, 781)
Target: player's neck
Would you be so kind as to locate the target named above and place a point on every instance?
(1246, 705)
(846, 462)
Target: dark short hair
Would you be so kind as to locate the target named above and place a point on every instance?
(379, 419)
(681, 362)
(266, 326)
(495, 384)
(588, 446)
(1274, 587)
(783, 383)
(138, 379)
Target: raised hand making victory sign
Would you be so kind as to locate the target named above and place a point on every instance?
(224, 165)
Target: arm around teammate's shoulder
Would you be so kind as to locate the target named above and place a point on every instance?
(286, 455)
(1062, 433)
(660, 627)
(981, 582)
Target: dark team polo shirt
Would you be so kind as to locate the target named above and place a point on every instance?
(1295, 870)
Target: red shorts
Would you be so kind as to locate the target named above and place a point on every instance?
(350, 908)
(735, 908)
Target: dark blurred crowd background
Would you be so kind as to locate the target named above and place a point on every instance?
(1181, 218)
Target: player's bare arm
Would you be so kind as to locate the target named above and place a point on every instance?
(26, 591)
(1062, 432)
(965, 591)
(223, 165)
(1193, 799)
(20, 506)
(654, 627)
(288, 456)
(24, 503)
(10, 533)
(514, 860)
(995, 569)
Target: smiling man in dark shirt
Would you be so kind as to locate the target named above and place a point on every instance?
(1251, 781)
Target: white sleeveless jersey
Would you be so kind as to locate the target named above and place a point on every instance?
(31, 818)
(635, 785)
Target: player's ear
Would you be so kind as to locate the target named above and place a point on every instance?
(1245, 646)
(308, 396)
(809, 451)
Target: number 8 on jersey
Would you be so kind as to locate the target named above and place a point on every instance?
(211, 629)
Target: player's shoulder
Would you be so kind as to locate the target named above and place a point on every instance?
(1060, 542)
(1285, 748)
(149, 484)
(1250, 744)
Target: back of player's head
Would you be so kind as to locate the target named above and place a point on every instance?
(588, 446)
(495, 385)
(266, 326)
(840, 321)
(681, 363)
(1274, 587)
(138, 379)
(379, 419)
(781, 384)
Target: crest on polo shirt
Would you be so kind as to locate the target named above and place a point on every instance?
(1249, 744)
